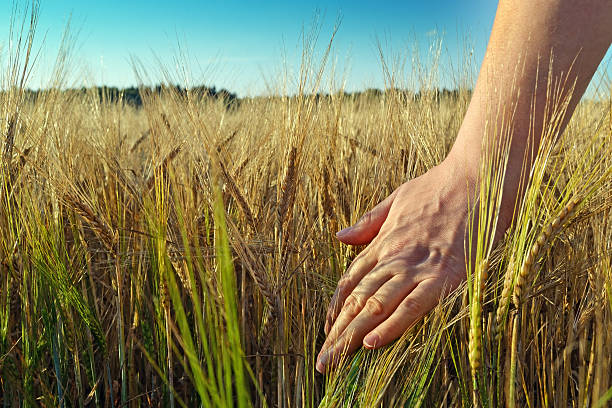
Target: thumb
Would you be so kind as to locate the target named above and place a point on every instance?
(364, 230)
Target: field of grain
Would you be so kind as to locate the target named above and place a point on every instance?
(183, 253)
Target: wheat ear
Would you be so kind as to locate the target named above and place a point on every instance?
(162, 167)
(287, 188)
(538, 247)
(98, 226)
(140, 140)
(475, 338)
(235, 192)
(504, 300)
(227, 141)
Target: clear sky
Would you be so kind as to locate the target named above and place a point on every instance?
(245, 46)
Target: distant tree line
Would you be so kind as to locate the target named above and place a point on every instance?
(135, 96)
(434, 93)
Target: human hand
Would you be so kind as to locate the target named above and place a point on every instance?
(415, 255)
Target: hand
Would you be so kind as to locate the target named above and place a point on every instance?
(415, 254)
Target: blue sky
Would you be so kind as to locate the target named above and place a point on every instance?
(246, 46)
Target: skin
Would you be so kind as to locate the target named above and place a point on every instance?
(415, 237)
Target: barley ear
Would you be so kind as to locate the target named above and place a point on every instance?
(504, 300)
(102, 230)
(163, 167)
(475, 338)
(287, 188)
(538, 247)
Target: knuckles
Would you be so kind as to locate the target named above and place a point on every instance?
(344, 289)
(354, 304)
(412, 307)
(374, 306)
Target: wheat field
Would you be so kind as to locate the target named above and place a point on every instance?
(183, 253)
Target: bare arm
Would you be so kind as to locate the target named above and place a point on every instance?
(415, 247)
(527, 36)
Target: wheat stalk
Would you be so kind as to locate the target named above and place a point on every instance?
(511, 374)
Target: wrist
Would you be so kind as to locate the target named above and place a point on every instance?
(463, 165)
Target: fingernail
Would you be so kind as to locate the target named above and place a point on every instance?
(322, 362)
(371, 340)
(343, 233)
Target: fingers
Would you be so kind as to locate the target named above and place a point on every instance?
(364, 231)
(355, 302)
(420, 301)
(367, 307)
(370, 303)
(361, 233)
(358, 269)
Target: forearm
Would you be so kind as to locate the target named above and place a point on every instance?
(529, 37)
(416, 248)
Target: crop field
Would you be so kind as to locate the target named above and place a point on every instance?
(183, 252)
